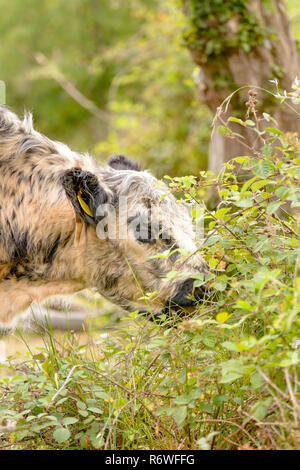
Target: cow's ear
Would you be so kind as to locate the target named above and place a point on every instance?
(119, 162)
(85, 193)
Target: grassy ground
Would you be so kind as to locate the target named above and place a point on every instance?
(15, 346)
(138, 386)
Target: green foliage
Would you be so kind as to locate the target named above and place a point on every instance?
(173, 131)
(218, 28)
(70, 34)
(222, 34)
(126, 59)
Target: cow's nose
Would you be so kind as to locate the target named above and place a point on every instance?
(187, 295)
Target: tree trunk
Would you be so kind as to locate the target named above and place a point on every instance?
(274, 57)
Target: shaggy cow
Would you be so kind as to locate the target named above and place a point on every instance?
(56, 210)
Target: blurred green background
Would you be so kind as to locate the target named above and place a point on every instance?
(108, 76)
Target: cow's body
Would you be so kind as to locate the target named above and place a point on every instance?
(36, 219)
(47, 245)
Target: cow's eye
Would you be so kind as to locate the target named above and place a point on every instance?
(148, 234)
(144, 235)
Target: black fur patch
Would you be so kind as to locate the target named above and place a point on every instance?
(77, 181)
(51, 252)
(23, 269)
(119, 162)
(21, 244)
(111, 282)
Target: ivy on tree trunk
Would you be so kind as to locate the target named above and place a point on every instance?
(237, 43)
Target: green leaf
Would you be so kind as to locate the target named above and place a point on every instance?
(256, 380)
(273, 130)
(21, 434)
(206, 407)
(267, 150)
(219, 399)
(221, 212)
(81, 405)
(97, 442)
(247, 185)
(223, 317)
(182, 400)
(244, 305)
(273, 206)
(242, 159)
(237, 135)
(230, 346)
(61, 435)
(69, 420)
(212, 240)
(224, 130)
(259, 410)
(260, 184)
(209, 338)
(234, 119)
(182, 377)
(230, 377)
(95, 410)
(102, 395)
(244, 203)
(39, 357)
(264, 169)
(219, 285)
(180, 415)
(282, 192)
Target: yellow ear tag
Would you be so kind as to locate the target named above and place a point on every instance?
(84, 206)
